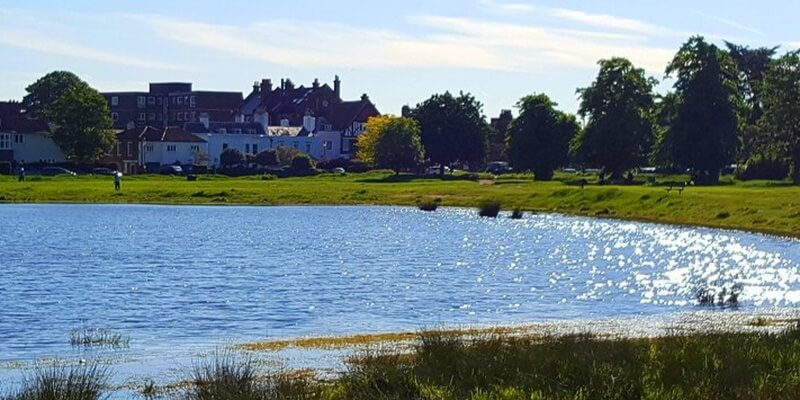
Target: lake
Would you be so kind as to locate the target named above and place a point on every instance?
(178, 280)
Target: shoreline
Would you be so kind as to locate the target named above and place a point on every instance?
(665, 222)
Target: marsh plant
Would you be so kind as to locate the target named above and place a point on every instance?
(81, 382)
(489, 208)
(517, 213)
(89, 337)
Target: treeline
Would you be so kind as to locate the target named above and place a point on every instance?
(731, 105)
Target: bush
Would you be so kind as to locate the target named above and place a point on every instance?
(765, 167)
(517, 213)
(286, 154)
(489, 208)
(302, 162)
(231, 157)
(267, 158)
(429, 206)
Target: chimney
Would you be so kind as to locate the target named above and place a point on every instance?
(289, 84)
(309, 123)
(337, 87)
(406, 111)
(204, 119)
(283, 84)
(364, 97)
(256, 87)
(266, 88)
(315, 84)
(261, 117)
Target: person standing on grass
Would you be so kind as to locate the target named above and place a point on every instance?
(21, 174)
(117, 180)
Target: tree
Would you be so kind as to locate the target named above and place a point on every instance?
(302, 162)
(619, 133)
(781, 97)
(286, 154)
(47, 90)
(82, 123)
(704, 134)
(538, 140)
(231, 157)
(454, 129)
(392, 142)
(267, 157)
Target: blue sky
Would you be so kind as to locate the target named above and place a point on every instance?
(400, 52)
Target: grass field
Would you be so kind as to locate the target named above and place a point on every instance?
(770, 207)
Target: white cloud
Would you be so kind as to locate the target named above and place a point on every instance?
(608, 21)
(499, 7)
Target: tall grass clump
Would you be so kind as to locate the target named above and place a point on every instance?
(489, 208)
(97, 337)
(517, 213)
(83, 382)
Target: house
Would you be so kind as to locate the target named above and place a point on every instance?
(152, 147)
(170, 104)
(26, 141)
(252, 137)
(335, 124)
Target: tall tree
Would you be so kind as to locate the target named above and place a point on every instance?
(82, 123)
(538, 140)
(781, 96)
(47, 89)
(619, 131)
(704, 134)
(454, 129)
(393, 142)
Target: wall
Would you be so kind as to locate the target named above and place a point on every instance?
(36, 147)
(183, 153)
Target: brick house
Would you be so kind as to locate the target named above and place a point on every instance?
(153, 147)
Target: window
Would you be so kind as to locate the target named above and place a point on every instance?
(328, 145)
(195, 148)
(345, 146)
(180, 116)
(130, 148)
(237, 130)
(115, 116)
(118, 152)
(159, 100)
(140, 101)
(223, 130)
(5, 141)
(296, 145)
(251, 131)
(179, 99)
(193, 116)
(114, 100)
(308, 148)
(192, 101)
(255, 148)
(19, 139)
(151, 116)
(148, 148)
(224, 146)
(151, 100)
(141, 116)
(247, 148)
(171, 147)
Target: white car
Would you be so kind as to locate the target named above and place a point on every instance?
(436, 170)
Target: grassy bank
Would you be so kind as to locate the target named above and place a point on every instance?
(771, 207)
(444, 365)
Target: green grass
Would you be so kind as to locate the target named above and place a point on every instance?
(770, 207)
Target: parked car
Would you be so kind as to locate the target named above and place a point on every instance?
(338, 171)
(53, 171)
(436, 170)
(498, 167)
(171, 170)
(103, 171)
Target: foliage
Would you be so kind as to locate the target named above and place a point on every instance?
(82, 123)
(302, 162)
(392, 142)
(489, 208)
(286, 154)
(704, 134)
(538, 140)
(267, 157)
(752, 65)
(765, 167)
(231, 157)
(781, 97)
(619, 132)
(454, 129)
(47, 90)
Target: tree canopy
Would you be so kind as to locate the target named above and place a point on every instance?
(47, 90)
(454, 129)
(538, 140)
(392, 142)
(619, 132)
(781, 97)
(231, 157)
(267, 157)
(704, 133)
(82, 123)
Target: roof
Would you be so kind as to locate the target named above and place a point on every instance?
(230, 127)
(343, 114)
(10, 108)
(22, 124)
(293, 131)
(172, 134)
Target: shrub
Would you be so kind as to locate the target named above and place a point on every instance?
(231, 157)
(302, 162)
(267, 158)
(428, 206)
(286, 154)
(765, 167)
(489, 208)
(517, 213)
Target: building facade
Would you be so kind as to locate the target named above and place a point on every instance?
(170, 104)
(26, 141)
(150, 147)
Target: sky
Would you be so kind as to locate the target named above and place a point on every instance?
(399, 52)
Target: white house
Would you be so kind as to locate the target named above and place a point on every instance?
(153, 147)
(27, 141)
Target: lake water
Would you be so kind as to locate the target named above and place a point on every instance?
(179, 279)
